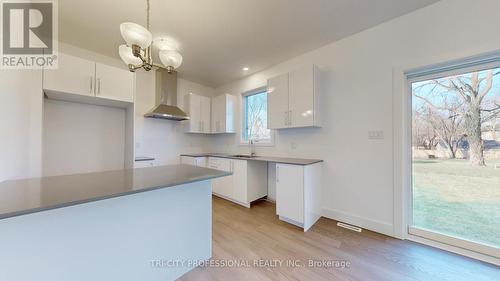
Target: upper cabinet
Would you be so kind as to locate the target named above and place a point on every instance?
(223, 114)
(293, 99)
(87, 78)
(277, 102)
(211, 115)
(73, 76)
(198, 108)
(114, 83)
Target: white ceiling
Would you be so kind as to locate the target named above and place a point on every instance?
(219, 37)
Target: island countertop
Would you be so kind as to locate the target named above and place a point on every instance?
(283, 160)
(20, 197)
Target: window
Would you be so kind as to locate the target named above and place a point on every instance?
(455, 157)
(255, 117)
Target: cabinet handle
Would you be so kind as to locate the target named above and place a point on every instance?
(98, 85)
(91, 84)
(290, 118)
(286, 118)
(277, 174)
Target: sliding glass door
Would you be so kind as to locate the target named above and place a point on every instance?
(456, 158)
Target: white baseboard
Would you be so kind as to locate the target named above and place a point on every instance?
(369, 224)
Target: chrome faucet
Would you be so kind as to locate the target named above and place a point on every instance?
(252, 149)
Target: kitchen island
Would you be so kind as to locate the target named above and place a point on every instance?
(133, 224)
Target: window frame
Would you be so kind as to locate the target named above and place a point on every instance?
(243, 141)
(447, 241)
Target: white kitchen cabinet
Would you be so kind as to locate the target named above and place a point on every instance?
(205, 114)
(114, 83)
(293, 99)
(223, 114)
(247, 183)
(221, 186)
(298, 194)
(277, 102)
(198, 108)
(77, 76)
(194, 161)
(144, 164)
(73, 76)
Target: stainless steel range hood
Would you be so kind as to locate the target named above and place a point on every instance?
(166, 98)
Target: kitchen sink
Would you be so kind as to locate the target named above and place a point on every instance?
(243, 156)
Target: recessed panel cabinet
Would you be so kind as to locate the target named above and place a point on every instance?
(77, 76)
(293, 99)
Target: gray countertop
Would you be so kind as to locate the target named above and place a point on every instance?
(284, 160)
(19, 197)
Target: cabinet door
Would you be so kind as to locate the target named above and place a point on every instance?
(73, 76)
(277, 102)
(240, 190)
(194, 108)
(187, 160)
(290, 192)
(218, 112)
(114, 83)
(205, 117)
(221, 186)
(201, 162)
(301, 98)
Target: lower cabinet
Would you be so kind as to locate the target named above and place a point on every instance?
(247, 183)
(298, 194)
(144, 164)
(194, 161)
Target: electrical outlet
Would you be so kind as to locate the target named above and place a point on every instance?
(375, 135)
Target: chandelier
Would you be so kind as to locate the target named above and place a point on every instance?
(137, 53)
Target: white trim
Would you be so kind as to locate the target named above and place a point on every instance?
(453, 249)
(369, 224)
(456, 242)
(254, 91)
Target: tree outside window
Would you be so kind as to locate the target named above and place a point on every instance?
(255, 119)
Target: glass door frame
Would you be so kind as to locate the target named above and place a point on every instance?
(422, 74)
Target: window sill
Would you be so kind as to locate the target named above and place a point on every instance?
(265, 144)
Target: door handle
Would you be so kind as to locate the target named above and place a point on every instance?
(91, 84)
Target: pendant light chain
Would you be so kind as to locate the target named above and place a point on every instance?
(147, 18)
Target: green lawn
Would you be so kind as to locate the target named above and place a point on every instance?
(452, 197)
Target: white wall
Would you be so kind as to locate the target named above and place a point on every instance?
(165, 140)
(82, 138)
(358, 97)
(20, 123)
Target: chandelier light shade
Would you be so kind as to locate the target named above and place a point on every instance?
(137, 53)
(170, 59)
(135, 34)
(127, 56)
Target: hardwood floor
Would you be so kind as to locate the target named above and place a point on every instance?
(245, 235)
